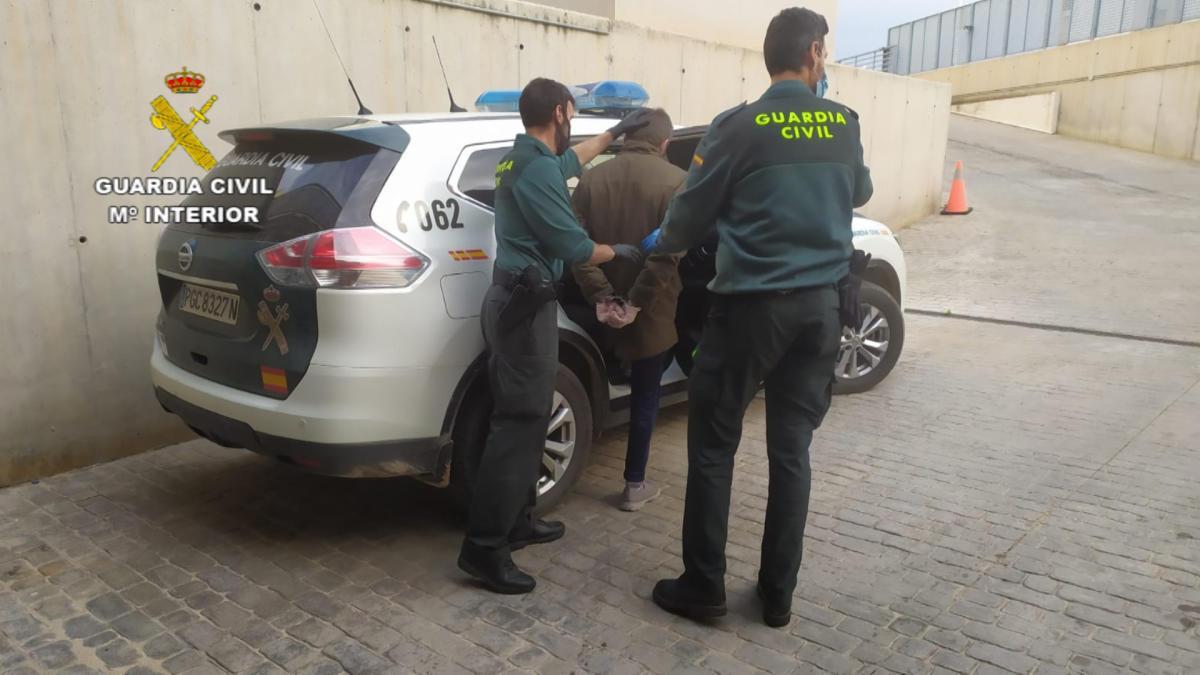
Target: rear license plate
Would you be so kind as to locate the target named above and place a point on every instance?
(210, 304)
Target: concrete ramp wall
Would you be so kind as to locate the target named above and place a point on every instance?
(1038, 112)
(76, 82)
(1138, 90)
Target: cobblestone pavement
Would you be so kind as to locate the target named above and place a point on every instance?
(1064, 232)
(1010, 500)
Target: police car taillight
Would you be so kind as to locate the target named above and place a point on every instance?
(363, 257)
(284, 263)
(352, 257)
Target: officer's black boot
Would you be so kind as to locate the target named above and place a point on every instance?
(495, 569)
(678, 597)
(776, 609)
(539, 532)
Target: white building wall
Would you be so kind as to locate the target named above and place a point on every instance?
(76, 80)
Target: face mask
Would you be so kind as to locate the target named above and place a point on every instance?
(562, 138)
(822, 86)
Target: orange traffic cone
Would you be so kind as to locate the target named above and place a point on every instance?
(957, 206)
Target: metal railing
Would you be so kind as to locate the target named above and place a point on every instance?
(993, 28)
(876, 59)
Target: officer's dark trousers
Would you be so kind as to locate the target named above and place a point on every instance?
(522, 366)
(788, 342)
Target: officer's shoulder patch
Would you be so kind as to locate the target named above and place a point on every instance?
(849, 110)
(725, 116)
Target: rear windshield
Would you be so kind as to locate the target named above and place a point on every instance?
(319, 182)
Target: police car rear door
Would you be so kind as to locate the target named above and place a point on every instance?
(239, 298)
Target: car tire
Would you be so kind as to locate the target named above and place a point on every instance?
(471, 431)
(877, 304)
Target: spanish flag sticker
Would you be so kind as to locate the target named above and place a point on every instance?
(697, 160)
(274, 380)
(470, 254)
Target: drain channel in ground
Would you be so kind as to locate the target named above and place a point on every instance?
(1053, 327)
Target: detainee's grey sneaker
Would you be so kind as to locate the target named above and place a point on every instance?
(636, 495)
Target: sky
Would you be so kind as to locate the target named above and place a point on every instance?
(862, 25)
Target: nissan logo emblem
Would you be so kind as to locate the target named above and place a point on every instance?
(185, 256)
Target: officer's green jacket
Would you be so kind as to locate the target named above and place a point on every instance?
(779, 179)
(535, 223)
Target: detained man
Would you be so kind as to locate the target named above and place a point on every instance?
(620, 202)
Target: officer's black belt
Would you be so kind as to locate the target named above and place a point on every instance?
(780, 291)
(531, 278)
(529, 292)
(505, 278)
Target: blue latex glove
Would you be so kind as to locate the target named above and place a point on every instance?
(650, 243)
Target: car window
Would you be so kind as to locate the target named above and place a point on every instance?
(600, 159)
(478, 179)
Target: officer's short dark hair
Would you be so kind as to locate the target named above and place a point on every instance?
(539, 98)
(658, 130)
(789, 36)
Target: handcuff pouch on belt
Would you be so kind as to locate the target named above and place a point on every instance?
(529, 292)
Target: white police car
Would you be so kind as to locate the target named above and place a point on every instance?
(341, 333)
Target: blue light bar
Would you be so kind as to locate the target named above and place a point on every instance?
(610, 95)
(498, 100)
(607, 95)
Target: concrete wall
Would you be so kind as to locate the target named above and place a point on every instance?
(741, 24)
(1038, 112)
(604, 8)
(76, 80)
(905, 124)
(1137, 90)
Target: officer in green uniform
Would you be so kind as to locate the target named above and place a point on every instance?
(778, 179)
(536, 233)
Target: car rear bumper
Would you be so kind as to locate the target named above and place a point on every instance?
(357, 424)
(418, 457)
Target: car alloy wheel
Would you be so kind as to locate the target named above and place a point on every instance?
(560, 444)
(865, 347)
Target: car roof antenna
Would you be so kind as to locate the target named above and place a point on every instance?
(454, 107)
(362, 109)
